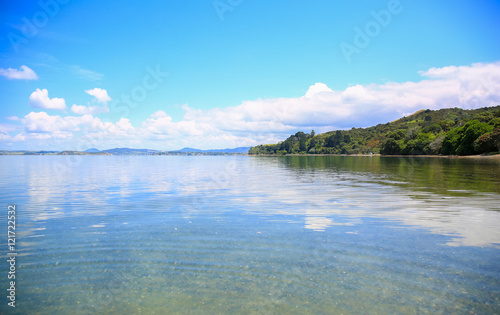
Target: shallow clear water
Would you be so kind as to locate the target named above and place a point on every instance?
(261, 235)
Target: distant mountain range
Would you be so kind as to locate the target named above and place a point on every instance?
(129, 151)
(235, 150)
(118, 151)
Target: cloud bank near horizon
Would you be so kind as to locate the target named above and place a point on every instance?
(256, 121)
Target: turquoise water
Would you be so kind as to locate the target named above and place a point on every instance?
(252, 235)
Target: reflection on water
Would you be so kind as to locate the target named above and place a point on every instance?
(156, 234)
(455, 197)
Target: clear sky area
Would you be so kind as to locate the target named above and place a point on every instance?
(228, 73)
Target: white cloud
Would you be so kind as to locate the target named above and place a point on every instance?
(317, 88)
(40, 99)
(125, 125)
(439, 72)
(24, 73)
(101, 95)
(6, 128)
(88, 110)
(159, 114)
(41, 122)
(161, 124)
(321, 108)
(270, 120)
(74, 132)
(81, 110)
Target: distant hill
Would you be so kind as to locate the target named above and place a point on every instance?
(235, 150)
(129, 151)
(119, 151)
(188, 150)
(450, 131)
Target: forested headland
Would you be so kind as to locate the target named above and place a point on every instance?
(451, 131)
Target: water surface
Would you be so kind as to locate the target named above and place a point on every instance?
(262, 235)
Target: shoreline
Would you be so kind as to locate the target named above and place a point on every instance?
(479, 156)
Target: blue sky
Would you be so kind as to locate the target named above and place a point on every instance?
(227, 73)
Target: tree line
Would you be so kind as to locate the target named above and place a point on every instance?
(451, 131)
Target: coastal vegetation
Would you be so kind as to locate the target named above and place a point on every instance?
(451, 131)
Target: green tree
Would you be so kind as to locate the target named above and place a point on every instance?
(489, 142)
(434, 128)
(347, 138)
(312, 143)
(484, 117)
(451, 142)
(302, 145)
(473, 129)
(460, 140)
(419, 145)
(396, 135)
(495, 122)
(330, 141)
(446, 124)
(390, 147)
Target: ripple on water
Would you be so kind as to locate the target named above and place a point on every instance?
(287, 237)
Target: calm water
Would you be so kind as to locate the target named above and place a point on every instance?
(252, 235)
